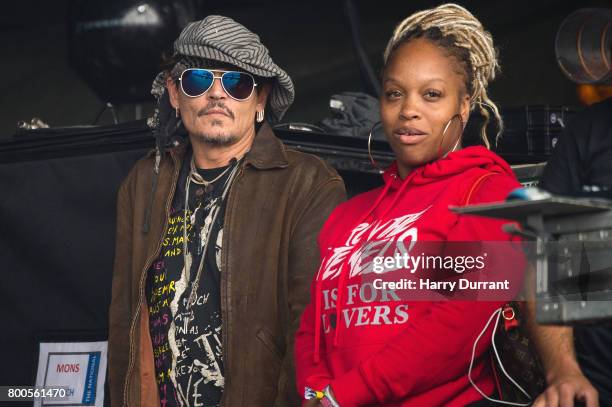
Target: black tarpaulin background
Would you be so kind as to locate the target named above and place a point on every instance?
(57, 224)
(57, 219)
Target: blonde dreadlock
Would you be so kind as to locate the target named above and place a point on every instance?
(459, 32)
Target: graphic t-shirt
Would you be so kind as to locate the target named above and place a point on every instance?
(185, 321)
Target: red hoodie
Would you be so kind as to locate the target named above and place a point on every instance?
(402, 353)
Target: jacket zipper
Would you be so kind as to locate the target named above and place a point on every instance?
(143, 274)
(224, 277)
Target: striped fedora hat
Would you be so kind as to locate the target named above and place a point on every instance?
(224, 40)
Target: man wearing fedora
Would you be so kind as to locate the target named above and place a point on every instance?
(216, 236)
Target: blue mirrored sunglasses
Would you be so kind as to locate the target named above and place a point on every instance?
(197, 81)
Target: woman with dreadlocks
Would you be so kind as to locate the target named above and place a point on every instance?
(360, 343)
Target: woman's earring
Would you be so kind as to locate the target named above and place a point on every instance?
(372, 160)
(260, 116)
(176, 111)
(448, 125)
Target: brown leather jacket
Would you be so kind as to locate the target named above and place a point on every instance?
(274, 212)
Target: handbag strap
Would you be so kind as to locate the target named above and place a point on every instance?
(475, 186)
(497, 315)
(494, 318)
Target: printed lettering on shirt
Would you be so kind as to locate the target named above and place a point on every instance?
(363, 304)
(369, 240)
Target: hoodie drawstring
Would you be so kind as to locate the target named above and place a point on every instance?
(402, 188)
(344, 271)
(317, 344)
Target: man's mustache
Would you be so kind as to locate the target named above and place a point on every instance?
(215, 105)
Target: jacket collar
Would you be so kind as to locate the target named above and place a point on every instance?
(266, 152)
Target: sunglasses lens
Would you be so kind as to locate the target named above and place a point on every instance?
(196, 81)
(239, 85)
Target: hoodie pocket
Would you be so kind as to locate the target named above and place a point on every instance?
(268, 340)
